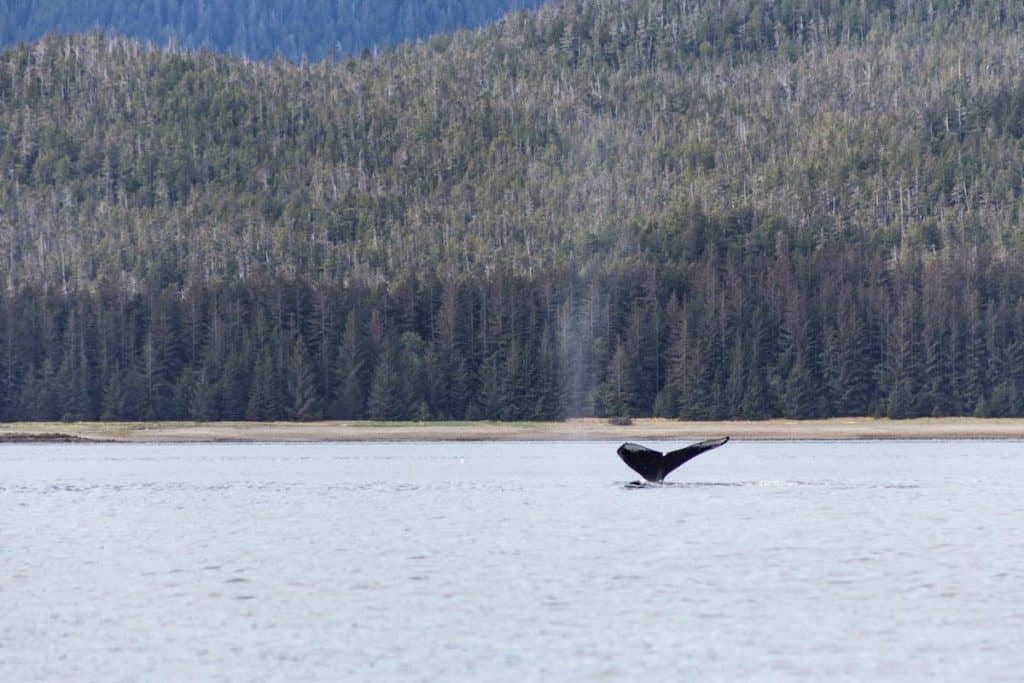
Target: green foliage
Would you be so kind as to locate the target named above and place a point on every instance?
(384, 401)
(304, 401)
(698, 209)
(201, 406)
(801, 395)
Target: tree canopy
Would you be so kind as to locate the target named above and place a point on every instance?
(704, 209)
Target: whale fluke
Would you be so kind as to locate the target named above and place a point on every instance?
(653, 466)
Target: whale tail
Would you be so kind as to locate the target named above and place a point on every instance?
(654, 466)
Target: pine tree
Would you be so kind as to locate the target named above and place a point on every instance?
(383, 400)
(550, 404)
(411, 398)
(619, 398)
(114, 398)
(348, 372)
(802, 398)
(265, 397)
(233, 384)
(201, 405)
(736, 384)
(304, 404)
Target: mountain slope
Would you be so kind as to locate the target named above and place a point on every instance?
(703, 209)
(527, 143)
(256, 29)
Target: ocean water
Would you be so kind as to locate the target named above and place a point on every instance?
(768, 561)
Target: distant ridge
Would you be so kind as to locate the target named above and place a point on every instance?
(256, 29)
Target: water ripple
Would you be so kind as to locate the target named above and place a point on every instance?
(776, 561)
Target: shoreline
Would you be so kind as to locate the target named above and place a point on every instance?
(581, 429)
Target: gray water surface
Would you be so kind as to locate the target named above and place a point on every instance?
(511, 561)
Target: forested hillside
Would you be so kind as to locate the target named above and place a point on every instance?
(256, 29)
(705, 209)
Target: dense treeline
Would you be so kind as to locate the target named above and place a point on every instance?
(737, 334)
(704, 209)
(254, 28)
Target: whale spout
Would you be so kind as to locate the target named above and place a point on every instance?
(654, 466)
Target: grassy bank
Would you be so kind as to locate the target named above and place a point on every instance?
(589, 429)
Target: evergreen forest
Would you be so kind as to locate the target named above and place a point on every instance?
(689, 208)
(257, 29)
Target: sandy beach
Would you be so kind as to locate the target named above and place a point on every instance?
(587, 429)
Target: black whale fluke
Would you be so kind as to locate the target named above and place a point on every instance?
(653, 466)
